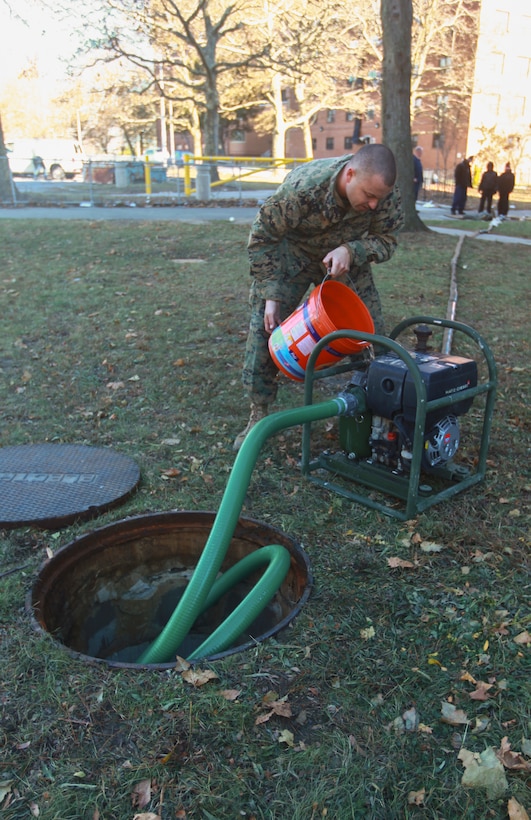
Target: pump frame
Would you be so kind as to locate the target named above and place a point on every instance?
(416, 497)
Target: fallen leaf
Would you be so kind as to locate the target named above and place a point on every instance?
(147, 816)
(231, 694)
(515, 810)
(277, 707)
(367, 633)
(198, 677)
(483, 771)
(467, 676)
(395, 562)
(171, 472)
(416, 798)
(482, 691)
(523, 638)
(512, 760)
(115, 385)
(430, 546)
(181, 664)
(34, 809)
(5, 789)
(411, 720)
(526, 746)
(452, 715)
(286, 737)
(141, 794)
(282, 708)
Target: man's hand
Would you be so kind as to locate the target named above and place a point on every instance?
(271, 315)
(337, 262)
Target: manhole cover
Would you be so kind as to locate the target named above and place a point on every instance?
(51, 485)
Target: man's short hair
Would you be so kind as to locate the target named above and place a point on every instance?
(376, 159)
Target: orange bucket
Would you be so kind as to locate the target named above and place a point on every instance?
(331, 306)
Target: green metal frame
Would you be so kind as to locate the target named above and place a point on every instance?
(408, 489)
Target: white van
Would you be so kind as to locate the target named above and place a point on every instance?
(56, 158)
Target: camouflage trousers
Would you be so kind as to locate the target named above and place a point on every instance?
(260, 374)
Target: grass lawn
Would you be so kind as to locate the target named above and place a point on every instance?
(394, 680)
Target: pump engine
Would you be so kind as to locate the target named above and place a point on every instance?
(383, 432)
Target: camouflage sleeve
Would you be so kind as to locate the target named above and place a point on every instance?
(277, 217)
(379, 243)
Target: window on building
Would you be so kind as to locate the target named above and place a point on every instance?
(437, 141)
(418, 102)
(370, 113)
(331, 115)
(445, 62)
(349, 116)
(237, 135)
(329, 143)
(348, 143)
(501, 21)
(314, 143)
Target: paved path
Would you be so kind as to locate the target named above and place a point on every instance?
(221, 213)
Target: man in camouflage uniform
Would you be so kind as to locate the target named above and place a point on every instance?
(329, 215)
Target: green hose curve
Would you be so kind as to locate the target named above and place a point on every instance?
(255, 601)
(192, 602)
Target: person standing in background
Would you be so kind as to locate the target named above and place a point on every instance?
(505, 187)
(463, 181)
(487, 188)
(418, 171)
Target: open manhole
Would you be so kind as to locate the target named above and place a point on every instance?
(107, 595)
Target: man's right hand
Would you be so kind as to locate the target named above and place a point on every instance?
(271, 315)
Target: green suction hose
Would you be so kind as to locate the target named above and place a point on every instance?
(278, 559)
(198, 588)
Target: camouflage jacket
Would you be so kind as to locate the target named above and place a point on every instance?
(306, 218)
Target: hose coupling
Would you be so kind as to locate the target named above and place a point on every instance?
(353, 401)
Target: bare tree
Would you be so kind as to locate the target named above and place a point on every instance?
(397, 16)
(7, 188)
(184, 47)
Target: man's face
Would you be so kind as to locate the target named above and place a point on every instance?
(364, 191)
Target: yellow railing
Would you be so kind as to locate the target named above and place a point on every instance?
(263, 163)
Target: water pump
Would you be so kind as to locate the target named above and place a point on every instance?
(389, 409)
(403, 430)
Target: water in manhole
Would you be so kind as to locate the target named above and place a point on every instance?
(108, 594)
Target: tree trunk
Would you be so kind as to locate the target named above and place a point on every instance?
(7, 186)
(397, 17)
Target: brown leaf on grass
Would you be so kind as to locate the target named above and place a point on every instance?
(452, 715)
(482, 691)
(230, 694)
(181, 664)
(512, 760)
(171, 472)
(141, 794)
(395, 562)
(515, 810)
(467, 676)
(115, 385)
(147, 816)
(277, 707)
(416, 798)
(198, 677)
(523, 639)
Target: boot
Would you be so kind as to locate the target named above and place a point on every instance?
(258, 412)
